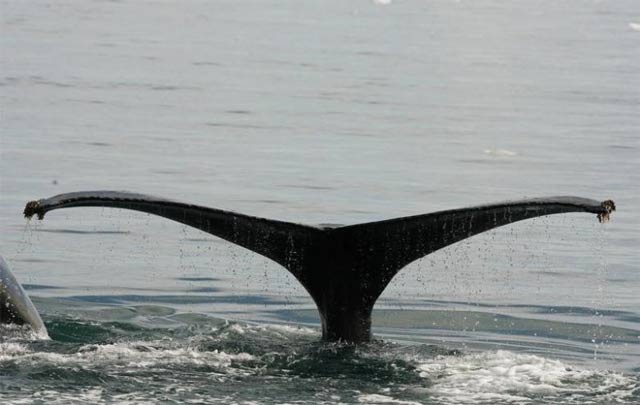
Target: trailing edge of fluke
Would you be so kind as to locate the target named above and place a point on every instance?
(344, 268)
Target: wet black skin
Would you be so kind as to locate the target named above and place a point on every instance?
(344, 268)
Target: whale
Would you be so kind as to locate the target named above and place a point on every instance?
(343, 268)
(15, 305)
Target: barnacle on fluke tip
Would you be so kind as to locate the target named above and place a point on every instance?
(32, 208)
(609, 207)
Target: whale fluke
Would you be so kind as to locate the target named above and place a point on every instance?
(344, 268)
(15, 305)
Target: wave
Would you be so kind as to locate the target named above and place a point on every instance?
(229, 362)
(505, 376)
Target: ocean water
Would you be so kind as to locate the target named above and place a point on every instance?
(321, 112)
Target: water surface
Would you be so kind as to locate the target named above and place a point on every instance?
(325, 112)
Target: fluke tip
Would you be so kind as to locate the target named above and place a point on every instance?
(33, 208)
(609, 206)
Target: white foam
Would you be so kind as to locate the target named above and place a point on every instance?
(9, 350)
(383, 399)
(512, 377)
(282, 329)
(291, 329)
(634, 26)
(13, 332)
(237, 328)
(131, 354)
(88, 395)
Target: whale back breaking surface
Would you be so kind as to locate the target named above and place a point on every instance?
(15, 305)
(344, 268)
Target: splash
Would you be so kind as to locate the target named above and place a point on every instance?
(383, 399)
(504, 376)
(227, 362)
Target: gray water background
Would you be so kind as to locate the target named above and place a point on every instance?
(331, 112)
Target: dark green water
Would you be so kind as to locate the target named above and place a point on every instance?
(148, 353)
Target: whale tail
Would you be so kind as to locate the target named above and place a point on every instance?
(344, 268)
(15, 305)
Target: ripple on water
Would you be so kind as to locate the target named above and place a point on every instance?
(226, 362)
